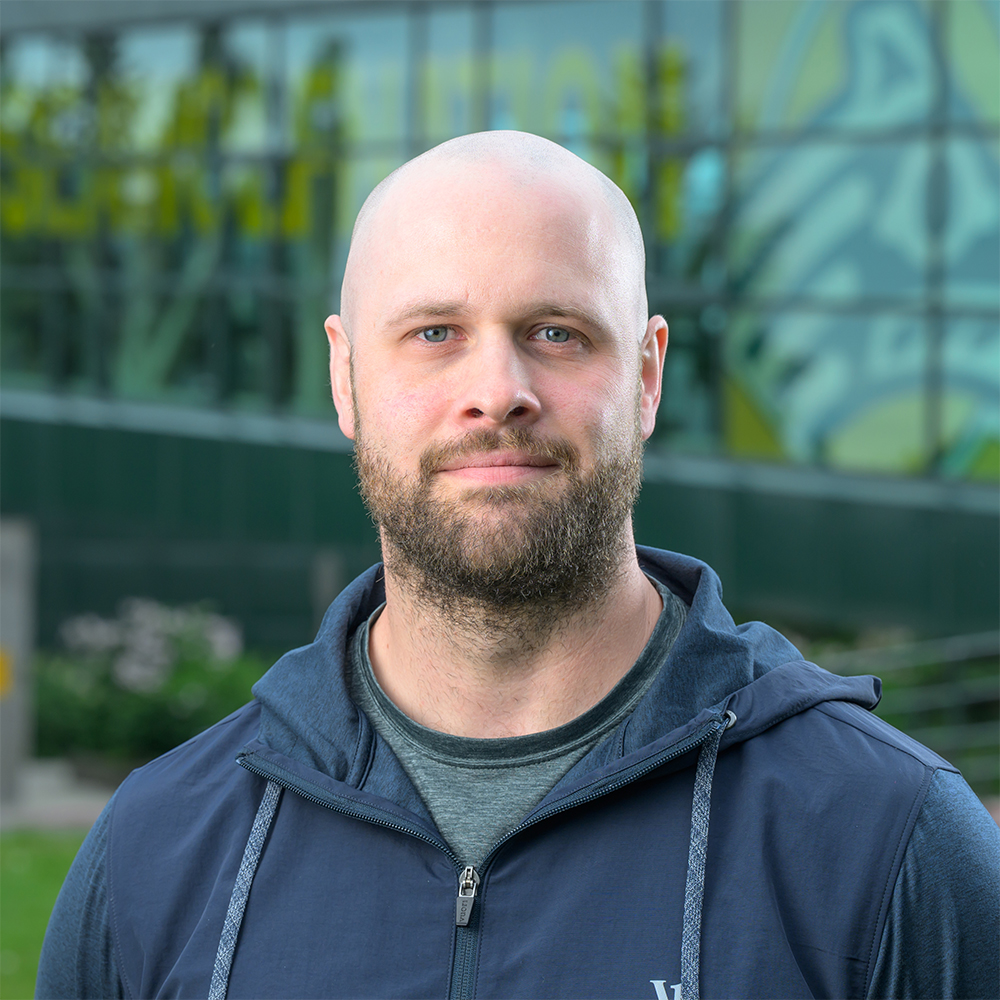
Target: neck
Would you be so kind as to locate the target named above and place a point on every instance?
(468, 669)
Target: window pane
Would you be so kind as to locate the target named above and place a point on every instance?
(448, 74)
(162, 91)
(157, 347)
(846, 65)
(251, 125)
(688, 418)
(832, 221)
(972, 237)
(973, 31)
(27, 60)
(196, 261)
(21, 350)
(681, 219)
(348, 73)
(696, 32)
(843, 391)
(970, 411)
(45, 108)
(569, 71)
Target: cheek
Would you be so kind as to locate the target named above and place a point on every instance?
(404, 407)
(398, 418)
(602, 407)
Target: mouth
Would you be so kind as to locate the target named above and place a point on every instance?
(487, 458)
(498, 460)
(498, 467)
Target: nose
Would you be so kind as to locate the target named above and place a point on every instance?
(497, 384)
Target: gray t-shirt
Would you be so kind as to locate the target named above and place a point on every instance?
(478, 790)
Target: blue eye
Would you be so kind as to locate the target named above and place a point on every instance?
(435, 334)
(554, 334)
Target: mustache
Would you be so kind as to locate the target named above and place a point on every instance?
(557, 450)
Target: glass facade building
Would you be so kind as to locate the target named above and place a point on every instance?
(818, 184)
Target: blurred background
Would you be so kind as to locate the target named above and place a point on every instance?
(818, 184)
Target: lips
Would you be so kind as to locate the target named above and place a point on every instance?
(497, 459)
(489, 456)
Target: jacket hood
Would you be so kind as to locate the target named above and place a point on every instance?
(713, 666)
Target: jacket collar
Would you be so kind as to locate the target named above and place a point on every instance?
(714, 665)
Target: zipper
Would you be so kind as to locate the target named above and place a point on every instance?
(633, 773)
(275, 772)
(463, 973)
(468, 883)
(467, 933)
(469, 878)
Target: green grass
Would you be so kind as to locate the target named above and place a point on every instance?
(33, 865)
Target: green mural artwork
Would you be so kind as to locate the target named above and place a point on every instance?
(869, 244)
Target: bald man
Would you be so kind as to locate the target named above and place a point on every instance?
(523, 757)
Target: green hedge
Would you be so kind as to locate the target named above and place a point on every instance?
(82, 710)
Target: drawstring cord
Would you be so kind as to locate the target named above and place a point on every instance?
(241, 890)
(694, 888)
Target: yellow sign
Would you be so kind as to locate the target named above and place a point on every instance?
(6, 673)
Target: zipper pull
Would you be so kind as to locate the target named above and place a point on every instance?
(468, 883)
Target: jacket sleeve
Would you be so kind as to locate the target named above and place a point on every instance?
(78, 957)
(943, 925)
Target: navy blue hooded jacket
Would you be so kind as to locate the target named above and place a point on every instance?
(285, 853)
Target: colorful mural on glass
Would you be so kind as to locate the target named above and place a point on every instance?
(852, 243)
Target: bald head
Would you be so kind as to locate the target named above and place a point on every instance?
(462, 180)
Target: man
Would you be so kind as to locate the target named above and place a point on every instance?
(524, 758)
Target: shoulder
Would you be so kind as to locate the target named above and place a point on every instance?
(833, 781)
(139, 852)
(858, 770)
(176, 833)
(183, 790)
(205, 765)
(880, 732)
(943, 924)
(820, 726)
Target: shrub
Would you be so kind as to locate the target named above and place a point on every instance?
(135, 686)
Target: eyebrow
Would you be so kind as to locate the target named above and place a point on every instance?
(426, 310)
(446, 309)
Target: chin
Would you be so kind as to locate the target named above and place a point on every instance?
(492, 497)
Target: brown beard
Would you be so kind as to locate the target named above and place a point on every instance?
(558, 547)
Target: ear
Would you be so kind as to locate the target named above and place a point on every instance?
(340, 373)
(653, 351)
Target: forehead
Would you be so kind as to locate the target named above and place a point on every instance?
(485, 201)
(473, 230)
